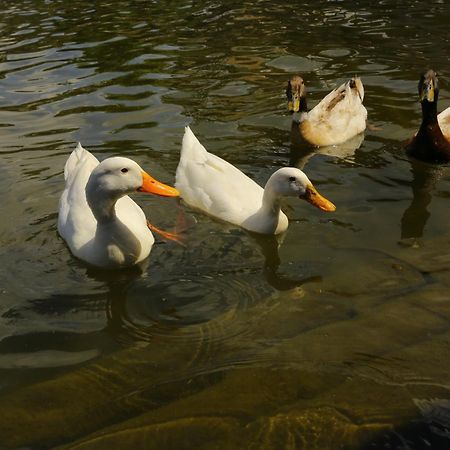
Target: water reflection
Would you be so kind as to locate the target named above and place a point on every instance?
(189, 291)
(301, 152)
(425, 177)
(269, 246)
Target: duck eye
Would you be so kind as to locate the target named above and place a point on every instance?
(124, 170)
(292, 178)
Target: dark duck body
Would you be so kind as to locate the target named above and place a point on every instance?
(432, 142)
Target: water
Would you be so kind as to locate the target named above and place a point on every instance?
(335, 336)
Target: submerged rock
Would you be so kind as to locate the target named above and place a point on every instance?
(297, 430)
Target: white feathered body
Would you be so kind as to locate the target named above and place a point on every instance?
(123, 242)
(444, 122)
(338, 117)
(212, 185)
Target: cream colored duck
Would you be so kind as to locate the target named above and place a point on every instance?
(338, 117)
(100, 223)
(213, 185)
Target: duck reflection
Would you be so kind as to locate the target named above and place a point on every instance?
(141, 307)
(183, 300)
(415, 217)
(270, 245)
(301, 151)
(116, 286)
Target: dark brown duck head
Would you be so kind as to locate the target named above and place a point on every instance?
(429, 144)
(296, 94)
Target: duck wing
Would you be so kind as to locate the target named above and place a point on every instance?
(341, 105)
(213, 185)
(76, 223)
(339, 116)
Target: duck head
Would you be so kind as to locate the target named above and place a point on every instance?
(428, 87)
(292, 182)
(296, 94)
(119, 176)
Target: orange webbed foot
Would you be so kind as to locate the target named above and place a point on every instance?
(166, 234)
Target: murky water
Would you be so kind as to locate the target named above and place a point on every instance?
(335, 336)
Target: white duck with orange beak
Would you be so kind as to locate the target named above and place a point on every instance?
(99, 222)
(215, 186)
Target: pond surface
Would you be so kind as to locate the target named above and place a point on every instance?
(334, 336)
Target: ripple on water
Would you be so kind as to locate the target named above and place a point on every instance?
(186, 304)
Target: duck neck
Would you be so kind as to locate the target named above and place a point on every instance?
(430, 144)
(429, 113)
(302, 112)
(303, 105)
(102, 203)
(271, 203)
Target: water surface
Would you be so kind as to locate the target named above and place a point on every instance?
(334, 336)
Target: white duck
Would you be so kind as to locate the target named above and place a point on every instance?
(213, 185)
(338, 117)
(97, 219)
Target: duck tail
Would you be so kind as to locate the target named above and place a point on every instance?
(356, 85)
(73, 160)
(78, 155)
(191, 148)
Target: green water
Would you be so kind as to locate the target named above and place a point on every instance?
(335, 336)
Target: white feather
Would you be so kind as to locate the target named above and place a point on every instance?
(444, 122)
(338, 117)
(211, 184)
(79, 227)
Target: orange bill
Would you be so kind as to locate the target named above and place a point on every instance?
(149, 184)
(313, 197)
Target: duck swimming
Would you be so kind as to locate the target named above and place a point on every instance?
(432, 142)
(338, 117)
(99, 222)
(213, 185)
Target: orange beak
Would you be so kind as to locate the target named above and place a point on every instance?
(313, 197)
(149, 184)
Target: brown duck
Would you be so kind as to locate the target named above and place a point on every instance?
(432, 142)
